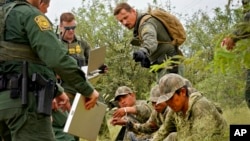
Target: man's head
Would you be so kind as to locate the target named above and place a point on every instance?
(44, 5)
(154, 95)
(34, 3)
(173, 90)
(125, 96)
(126, 15)
(67, 26)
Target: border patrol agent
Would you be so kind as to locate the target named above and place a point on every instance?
(241, 32)
(28, 37)
(79, 50)
(152, 31)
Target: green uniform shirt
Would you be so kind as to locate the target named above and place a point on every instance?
(26, 25)
(79, 50)
(202, 122)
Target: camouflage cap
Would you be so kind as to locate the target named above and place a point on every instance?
(154, 93)
(168, 85)
(187, 82)
(123, 90)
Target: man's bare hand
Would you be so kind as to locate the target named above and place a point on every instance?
(118, 121)
(228, 43)
(120, 112)
(90, 102)
(62, 102)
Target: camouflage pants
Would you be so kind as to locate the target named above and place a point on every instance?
(247, 89)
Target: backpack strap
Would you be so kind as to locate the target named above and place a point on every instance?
(4, 12)
(144, 19)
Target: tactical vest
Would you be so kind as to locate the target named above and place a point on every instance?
(10, 51)
(76, 50)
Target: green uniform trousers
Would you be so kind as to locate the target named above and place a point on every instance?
(24, 124)
(59, 119)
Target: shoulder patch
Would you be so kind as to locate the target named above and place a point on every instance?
(43, 23)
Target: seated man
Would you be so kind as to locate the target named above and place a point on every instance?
(157, 116)
(192, 117)
(130, 110)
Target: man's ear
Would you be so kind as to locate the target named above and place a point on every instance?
(60, 27)
(183, 91)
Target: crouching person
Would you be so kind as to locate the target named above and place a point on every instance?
(192, 117)
(130, 110)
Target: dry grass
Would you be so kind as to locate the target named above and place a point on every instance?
(240, 114)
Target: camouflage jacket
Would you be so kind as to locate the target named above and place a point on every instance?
(155, 118)
(143, 111)
(202, 122)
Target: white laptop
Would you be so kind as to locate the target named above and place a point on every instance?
(84, 123)
(96, 59)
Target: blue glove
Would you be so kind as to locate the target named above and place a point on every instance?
(139, 55)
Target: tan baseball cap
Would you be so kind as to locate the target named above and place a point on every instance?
(154, 93)
(168, 85)
(123, 90)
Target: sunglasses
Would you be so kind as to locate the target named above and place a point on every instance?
(69, 27)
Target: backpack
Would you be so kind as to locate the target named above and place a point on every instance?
(171, 23)
(4, 11)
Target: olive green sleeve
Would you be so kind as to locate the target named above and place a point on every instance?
(149, 38)
(60, 89)
(51, 51)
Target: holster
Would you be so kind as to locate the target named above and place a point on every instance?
(3, 82)
(15, 86)
(45, 91)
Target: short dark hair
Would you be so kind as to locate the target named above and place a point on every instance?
(179, 90)
(45, 1)
(67, 17)
(121, 6)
